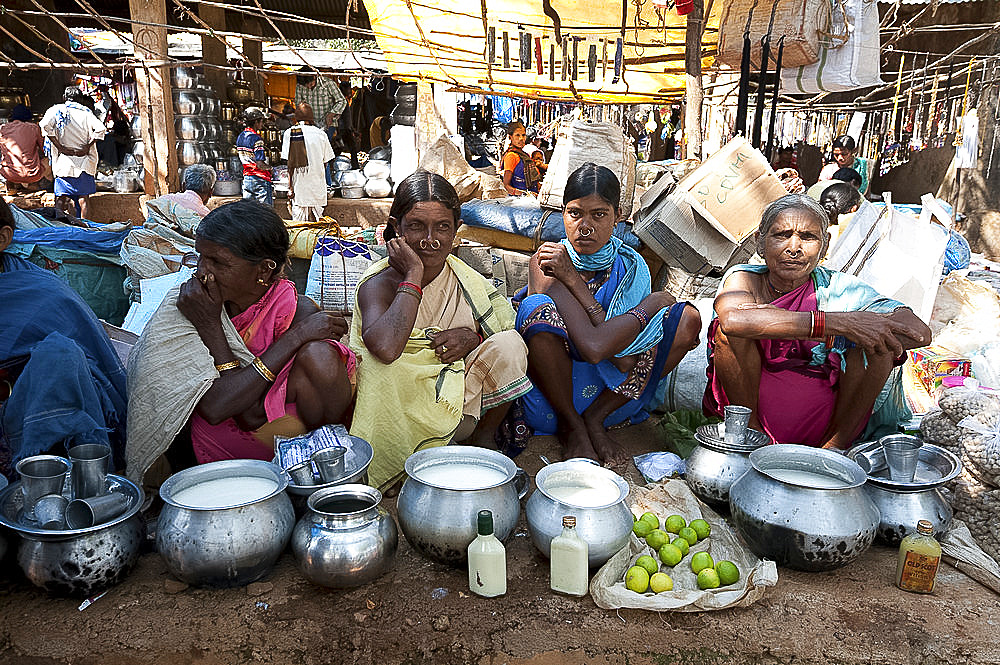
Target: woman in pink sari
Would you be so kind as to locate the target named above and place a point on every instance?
(236, 353)
(811, 351)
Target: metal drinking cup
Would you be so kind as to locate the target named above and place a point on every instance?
(302, 473)
(737, 421)
(41, 475)
(902, 452)
(84, 513)
(50, 511)
(90, 469)
(329, 462)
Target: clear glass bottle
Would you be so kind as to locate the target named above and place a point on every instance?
(568, 567)
(919, 556)
(487, 560)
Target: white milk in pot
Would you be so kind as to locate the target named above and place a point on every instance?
(461, 476)
(223, 492)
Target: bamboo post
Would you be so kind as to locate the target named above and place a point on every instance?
(693, 93)
(213, 51)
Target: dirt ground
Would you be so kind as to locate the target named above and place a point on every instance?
(422, 612)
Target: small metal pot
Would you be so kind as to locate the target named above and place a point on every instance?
(226, 545)
(440, 522)
(211, 106)
(189, 128)
(190, 152)
(902, 505)
(78, 562)
(806, 525)
(714, 465)
(228, 112)
(185, 77)
(346, 539)
(239, 92)
(605, 528)
(352, 192)
(187, 102)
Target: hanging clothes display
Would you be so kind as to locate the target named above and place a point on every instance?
(967, 154)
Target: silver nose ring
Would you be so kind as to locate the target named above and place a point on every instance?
(589, 232)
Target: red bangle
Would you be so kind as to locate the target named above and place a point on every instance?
(821, 324)
(412, 285)
(480, 338)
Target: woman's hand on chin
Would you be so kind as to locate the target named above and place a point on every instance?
(554, 261)
(404, 260)
(201, 302)
(320, 325)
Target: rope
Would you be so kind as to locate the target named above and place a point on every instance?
(64, 27)
(284, 41)
(40, 35)
(26, 47)
(100, 19)
(197, 19)
(426, 43)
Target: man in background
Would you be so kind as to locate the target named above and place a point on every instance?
(307, 150)
(321, 94)
(73, 131)
(250, 148)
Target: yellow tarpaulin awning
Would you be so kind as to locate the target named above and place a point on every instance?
(511, 47)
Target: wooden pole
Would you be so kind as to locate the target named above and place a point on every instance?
(693, 93)
(152, 77)
(254, 51)
(213, 51)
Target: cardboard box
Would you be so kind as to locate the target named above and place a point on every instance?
(707, 221)
(932, 363)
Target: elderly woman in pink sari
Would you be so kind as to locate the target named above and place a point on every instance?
(235, 352)
(811, 351)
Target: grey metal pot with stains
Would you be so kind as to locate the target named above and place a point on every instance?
(804, 508)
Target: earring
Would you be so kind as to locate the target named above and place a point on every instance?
(270, 264)
(260, 280)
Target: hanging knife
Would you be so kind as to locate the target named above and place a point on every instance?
(592, 63)
(565, 58)
(620, 46)
(506, 50)
(743, 100)
(771, 143)
(524, 50)
(538, 56)
(491, 46)
(604, 59)
(576, 58)
(552, 62)
(765, 54)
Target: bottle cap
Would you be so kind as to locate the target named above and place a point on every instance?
(925, 527)
(569, 521)
(485, 522)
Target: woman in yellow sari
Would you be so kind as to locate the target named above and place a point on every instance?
(439, 359)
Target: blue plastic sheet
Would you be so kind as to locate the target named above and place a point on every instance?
(525, 221)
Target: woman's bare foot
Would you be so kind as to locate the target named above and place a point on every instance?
(608, 450)
(576, 443)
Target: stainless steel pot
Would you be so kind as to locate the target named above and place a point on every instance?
(821, 520)
(229, 545)
(136, 127)
(352, 192)
(605, 527)
(211, 106)
(228, 188)
(239, 92)
(228, 112)
(440, 522)
(78, 562)
(353, 178)
(714, 465)
(190, 152)
(375, 168)
(902, 505)
(346, 539)
(187, 102)
(185, 77)
(189, 128)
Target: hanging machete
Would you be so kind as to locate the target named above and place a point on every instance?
(744, 91)
(765, 54)
(771, 143)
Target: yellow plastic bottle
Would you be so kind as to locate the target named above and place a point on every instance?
(919, 556)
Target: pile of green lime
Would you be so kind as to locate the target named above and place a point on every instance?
(645, 575)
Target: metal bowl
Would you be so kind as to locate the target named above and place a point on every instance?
(187, 102)
(935, 467)
(77, 561)
(189, 128)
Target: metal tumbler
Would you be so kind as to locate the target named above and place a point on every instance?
(40, 475)
(90, 469)
(83, 513)
(330, 463)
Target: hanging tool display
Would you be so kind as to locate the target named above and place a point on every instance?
(491, 45)
(944, 120)
(538, 56)
(765, 54)
(771, 143)
(620, 46)
(576, 58)
(931, 112)
(565, 57)
(552, 62)
(744, 91)
(592, 63)
(506, 50)
(524, 49)
(917, 139)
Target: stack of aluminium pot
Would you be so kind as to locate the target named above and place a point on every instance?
(405, 112)
(196, 119)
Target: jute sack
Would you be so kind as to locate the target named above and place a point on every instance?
(668, 498)
(805, 24)
(579, 142)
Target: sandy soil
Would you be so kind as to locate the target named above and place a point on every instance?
(422, 612)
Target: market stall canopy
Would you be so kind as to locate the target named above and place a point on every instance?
(513, 47)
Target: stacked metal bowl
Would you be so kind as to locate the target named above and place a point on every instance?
(196, 121)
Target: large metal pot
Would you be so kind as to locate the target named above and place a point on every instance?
(210, 106)
(902, 505)
(803, 507)
(352, 178)
(227, 545)
(185, 77)
(438, 520)
(78, 562)
(239, 92)
(714, 465)
(190, 152)
(604, 524)
(345, 538)
(187, 102)
(189, 128)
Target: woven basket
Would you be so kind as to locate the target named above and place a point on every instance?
(805, 24)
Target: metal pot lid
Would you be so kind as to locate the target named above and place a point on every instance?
(935, 467)
(12, 500)
(356, 461)
(713, 436)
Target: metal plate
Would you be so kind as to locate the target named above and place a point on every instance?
(935, 466)
(12, 500)
(356, 461)
(713, 436)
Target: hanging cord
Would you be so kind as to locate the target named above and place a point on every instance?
(426, 43)
(211, 31)
(895, 103)
(37, 33)
(284, 41)
(352, 6)
(163, 57)
(66, 28)
(959, 138)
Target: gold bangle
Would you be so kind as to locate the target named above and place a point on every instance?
(262, 369)
(230, 365)
(594, 309)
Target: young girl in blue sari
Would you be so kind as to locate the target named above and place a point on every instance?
(598, 340)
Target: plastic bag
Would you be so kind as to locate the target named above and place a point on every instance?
(335, 269)
(660, 465)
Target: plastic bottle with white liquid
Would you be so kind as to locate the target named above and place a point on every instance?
(568, 567)
(487, 560)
